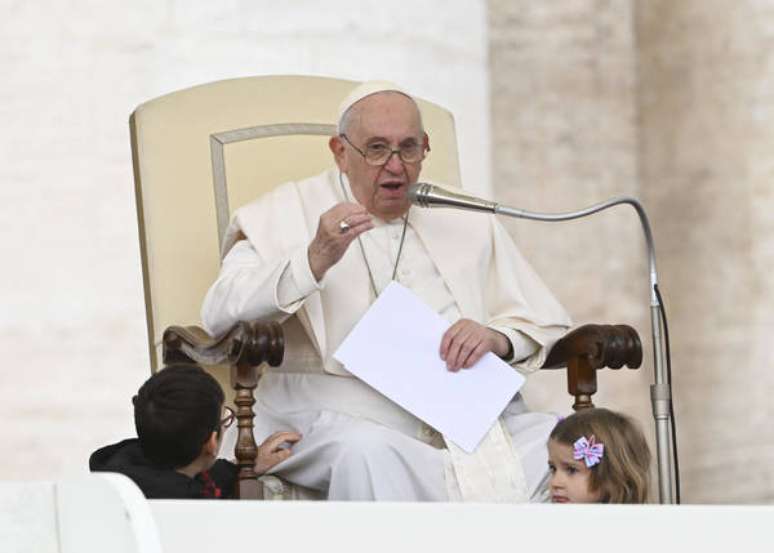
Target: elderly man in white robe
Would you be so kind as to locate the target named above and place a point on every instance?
(314, 255)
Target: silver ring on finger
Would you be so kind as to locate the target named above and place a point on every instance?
(343, 226)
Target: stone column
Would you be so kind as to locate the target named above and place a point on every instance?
(706, 137)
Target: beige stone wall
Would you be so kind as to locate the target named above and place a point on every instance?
(706, 105)
(671, 102)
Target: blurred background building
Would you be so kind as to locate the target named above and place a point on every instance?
(558, 105)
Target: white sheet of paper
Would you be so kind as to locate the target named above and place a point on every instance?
(395, 349)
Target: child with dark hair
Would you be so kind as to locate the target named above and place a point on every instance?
(180, 417)
(598, 456)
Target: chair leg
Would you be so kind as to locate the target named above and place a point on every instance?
(244, 380)
(581, 382)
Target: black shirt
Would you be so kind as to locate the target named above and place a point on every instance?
(127, 458)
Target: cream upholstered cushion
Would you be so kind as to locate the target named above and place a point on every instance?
(202, 152)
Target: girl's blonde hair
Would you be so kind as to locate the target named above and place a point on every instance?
(623, 474)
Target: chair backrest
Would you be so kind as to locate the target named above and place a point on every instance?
(202, 152)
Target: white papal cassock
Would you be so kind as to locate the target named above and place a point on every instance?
(356, 443)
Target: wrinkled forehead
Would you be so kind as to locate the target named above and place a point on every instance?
(365, 93)
(389, 115)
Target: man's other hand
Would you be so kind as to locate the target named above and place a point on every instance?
(466, 341)
(271, 452)
(336, 230)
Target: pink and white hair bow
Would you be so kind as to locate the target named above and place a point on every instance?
(588, 450)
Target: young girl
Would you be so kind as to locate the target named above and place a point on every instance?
(598, 456)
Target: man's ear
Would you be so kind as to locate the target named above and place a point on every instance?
(337, 147)
(426, 141)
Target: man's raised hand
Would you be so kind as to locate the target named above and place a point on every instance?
(336, 230)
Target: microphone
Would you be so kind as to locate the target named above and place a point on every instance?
(430, 195)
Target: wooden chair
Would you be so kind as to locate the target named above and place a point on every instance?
(202, 152)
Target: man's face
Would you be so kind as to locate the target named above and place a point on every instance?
(392, 119)
(569, 476)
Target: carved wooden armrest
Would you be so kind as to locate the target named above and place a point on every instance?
(591, 347)
(243, 348)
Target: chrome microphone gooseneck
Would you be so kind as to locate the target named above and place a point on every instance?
(429, 195)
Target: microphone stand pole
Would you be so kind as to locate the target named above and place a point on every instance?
(660, 391)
